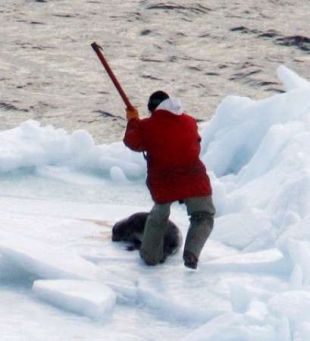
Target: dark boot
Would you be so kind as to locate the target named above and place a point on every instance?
(190, 260)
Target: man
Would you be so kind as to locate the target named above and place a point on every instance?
(170, 142)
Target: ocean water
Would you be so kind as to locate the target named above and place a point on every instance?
(199, 51)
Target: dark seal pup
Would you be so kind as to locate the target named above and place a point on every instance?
(131, 229)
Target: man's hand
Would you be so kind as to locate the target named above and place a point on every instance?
(131, 113)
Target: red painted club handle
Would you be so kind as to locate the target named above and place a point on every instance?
(109, 71)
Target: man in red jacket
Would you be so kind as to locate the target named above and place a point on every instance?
(170, 142)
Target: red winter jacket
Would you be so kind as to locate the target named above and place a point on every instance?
(172, 146)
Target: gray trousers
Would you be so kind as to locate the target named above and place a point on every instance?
(201, 212)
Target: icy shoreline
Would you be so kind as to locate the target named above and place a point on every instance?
(61, 193)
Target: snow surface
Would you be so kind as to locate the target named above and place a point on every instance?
(61, 277)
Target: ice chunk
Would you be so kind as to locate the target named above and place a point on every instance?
(290, 79)
(236, 132)
(264, 261)
(43, 260)
(33, 146)
(88, 298)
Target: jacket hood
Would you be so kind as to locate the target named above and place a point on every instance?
(172, 105)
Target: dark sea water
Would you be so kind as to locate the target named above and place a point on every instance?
(199, 51)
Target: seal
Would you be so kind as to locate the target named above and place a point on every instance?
(130, 230)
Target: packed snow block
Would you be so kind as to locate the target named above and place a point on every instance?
(270, 261)
(88, 298)
(43, 260)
